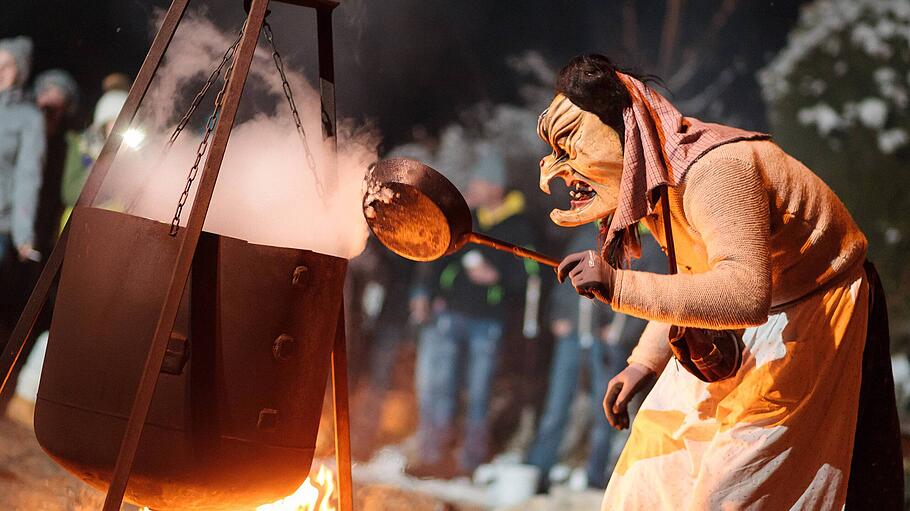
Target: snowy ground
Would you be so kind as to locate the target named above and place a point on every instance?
(387, 468)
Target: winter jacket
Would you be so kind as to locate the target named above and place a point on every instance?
(22, 148)
(448, 279)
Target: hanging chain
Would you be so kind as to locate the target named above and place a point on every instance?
(289, 94)
(228, 55)
(209, 128)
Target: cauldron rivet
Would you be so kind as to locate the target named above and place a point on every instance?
(284, 347)
(268, 419)
(299, 273)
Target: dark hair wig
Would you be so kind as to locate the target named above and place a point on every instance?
(590, 82)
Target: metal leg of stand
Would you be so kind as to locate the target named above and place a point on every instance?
(327, 95)
(188, 239)
(342, 418)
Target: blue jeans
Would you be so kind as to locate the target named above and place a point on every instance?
(449, 339)
(604, 362)
(387, 341)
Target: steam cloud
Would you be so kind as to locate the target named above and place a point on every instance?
(266, 193)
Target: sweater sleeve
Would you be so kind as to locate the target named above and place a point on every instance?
(653, 348)
(726, 203)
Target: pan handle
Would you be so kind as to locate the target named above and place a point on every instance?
(483, 239)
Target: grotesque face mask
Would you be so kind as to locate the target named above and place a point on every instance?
(587, 155)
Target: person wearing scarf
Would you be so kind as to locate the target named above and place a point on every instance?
(763, 247)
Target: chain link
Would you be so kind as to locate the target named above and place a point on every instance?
(228, 55)
(209, 128)
(219, 99)
(289, 94)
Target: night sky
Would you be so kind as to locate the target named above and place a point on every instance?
(402, 63)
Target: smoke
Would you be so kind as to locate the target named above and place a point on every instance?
(510, 129)
(265, 193)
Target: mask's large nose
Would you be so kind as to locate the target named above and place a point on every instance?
(549, 168)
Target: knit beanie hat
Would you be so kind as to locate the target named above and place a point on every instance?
(108, 107)
(490, 165)
(61, 80)
(116, 81)
(21, 49)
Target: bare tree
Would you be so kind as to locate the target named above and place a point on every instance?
(685, 46)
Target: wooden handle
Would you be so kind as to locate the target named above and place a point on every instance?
(483, 239)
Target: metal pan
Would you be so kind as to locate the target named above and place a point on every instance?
(420, 215)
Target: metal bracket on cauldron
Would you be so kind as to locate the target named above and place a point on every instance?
(300, 276)
(177, 354)
(284, 348)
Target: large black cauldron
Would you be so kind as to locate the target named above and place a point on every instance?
(234, 419)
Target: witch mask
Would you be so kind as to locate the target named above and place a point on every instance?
(587, 155)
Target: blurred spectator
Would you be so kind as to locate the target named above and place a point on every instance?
(57, 96)
(82, 155)
(116, 81)
(22, 151)
(386, 327)
(465, 311)
(589, 337)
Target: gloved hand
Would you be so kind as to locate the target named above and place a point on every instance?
(589, 273)
(620, 391)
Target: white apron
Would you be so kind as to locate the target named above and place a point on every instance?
(777, 436)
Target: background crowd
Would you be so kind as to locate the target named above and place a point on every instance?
(491, 339)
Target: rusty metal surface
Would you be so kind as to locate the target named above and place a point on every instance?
(237, 427)
(416, 212)
(341, 400)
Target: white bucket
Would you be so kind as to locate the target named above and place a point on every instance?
(508, 483)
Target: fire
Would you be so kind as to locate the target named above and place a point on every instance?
(318, 496)
(315, 494)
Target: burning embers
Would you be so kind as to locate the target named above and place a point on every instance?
(317, 493)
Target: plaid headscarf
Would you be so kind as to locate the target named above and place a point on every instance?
(660, 147)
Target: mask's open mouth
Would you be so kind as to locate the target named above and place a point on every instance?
(586, 200)
(581, 194)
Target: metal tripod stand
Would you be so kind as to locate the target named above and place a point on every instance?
(188, 237)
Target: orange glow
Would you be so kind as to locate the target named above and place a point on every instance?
(315, 494)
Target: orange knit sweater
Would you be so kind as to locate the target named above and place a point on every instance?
(753, 228)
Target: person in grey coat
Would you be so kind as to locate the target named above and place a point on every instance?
(22, 147)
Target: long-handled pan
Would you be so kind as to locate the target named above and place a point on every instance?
(420, 215)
